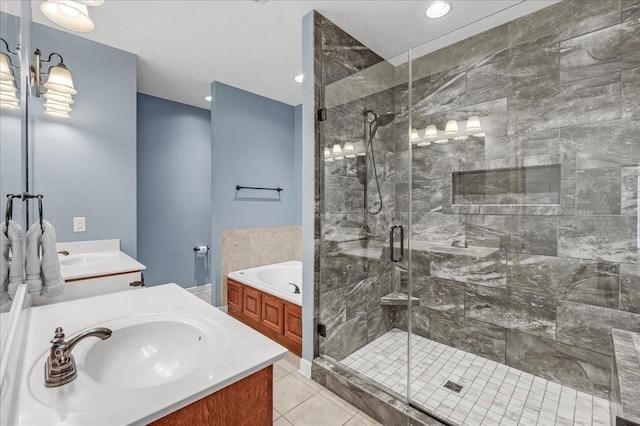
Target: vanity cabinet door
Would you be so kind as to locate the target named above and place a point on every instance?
(234, 297)
(252, 304)
(293, 323)
(272, 313)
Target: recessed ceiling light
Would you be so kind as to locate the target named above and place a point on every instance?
(298, 78)
(438, 9)
(207, 98)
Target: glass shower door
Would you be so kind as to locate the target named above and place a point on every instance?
(362, 291)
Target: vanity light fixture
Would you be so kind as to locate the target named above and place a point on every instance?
(431, 131)
(349, 150)
(473, 123)
(72, 15)
(8, 89)
(438, 9)
(414, 135)
(451, 128)
(59, 86)
(298, 78)
(337, 149)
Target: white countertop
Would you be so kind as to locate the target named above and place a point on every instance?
(239, 352)
(115, 262)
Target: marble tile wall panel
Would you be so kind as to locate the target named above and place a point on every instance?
(609, 50)
(420, 319)
(439, 92)
(610, 238)
(364, 296)
(467, 334)
(630, 288)
(469, 265)
(598, 192)
(590, 327)
(379, 322)
(561, 22)
(473, 52)
(333, 307)
(522, 311)
(439, 294)
(345, 338)
(622, 148)
(585, 281)
(588, 101)
(631, 92)
(438, 227)
(578, 368)
(489, 147)
(630, 9)
(426, 195)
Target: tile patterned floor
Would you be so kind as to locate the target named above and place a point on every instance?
(299, 401)
(202, 291)
(492, 393)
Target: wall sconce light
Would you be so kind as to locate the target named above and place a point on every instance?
(72, 15)
(8, 88)
(451, 128)
(337, 149)
(59, 86)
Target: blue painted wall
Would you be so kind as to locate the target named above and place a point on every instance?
(297, 166)
(174, 191)
(252, 145)
(86, 165)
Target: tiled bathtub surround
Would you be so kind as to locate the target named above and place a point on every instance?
(491, 394)
(547, 272)
(250, 247)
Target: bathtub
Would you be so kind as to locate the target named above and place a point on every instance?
(274, 279)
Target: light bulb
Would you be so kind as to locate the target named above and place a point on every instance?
(438, 9)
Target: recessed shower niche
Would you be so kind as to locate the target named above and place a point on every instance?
(519, 185)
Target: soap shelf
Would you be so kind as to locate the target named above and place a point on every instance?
(398, 299)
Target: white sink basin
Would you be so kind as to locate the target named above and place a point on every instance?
(147, 354)
(87, 259)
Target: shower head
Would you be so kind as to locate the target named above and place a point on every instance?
(384, 119)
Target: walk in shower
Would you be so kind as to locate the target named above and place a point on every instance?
(475, 251)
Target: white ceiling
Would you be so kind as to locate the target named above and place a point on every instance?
(184, 45)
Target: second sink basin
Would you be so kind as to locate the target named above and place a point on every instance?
(147, 354)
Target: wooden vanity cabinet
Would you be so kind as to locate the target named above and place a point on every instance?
(276, 318)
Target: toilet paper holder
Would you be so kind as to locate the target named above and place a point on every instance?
(201, 249)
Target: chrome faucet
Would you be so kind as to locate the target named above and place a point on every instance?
(60, 367)
(63, 252)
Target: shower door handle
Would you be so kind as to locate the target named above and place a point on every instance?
(391, 243)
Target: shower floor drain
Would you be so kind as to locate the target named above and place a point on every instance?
(453, 386)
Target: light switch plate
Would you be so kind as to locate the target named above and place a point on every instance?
(79, 224)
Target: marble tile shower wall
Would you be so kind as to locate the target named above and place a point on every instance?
(541, 285)
(351, 277)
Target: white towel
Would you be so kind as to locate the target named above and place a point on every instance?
(4, 265)
(52, 282)
(43, 273)
(11, 241)
(33, 269)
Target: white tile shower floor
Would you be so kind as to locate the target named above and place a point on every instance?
(492, 393)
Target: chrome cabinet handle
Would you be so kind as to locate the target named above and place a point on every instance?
(391, 243)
